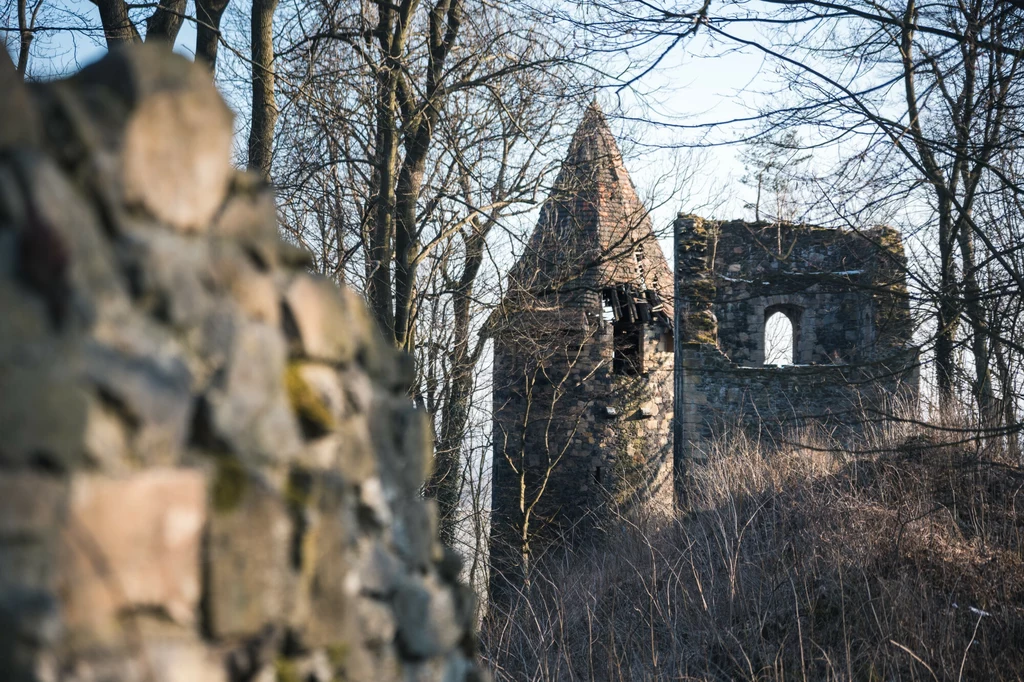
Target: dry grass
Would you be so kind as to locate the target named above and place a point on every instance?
(794, 565)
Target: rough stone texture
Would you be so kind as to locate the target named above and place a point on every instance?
(844, 292)
(209, 468)
(582, 363)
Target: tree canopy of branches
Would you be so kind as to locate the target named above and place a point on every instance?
(413, 137)
(922, 105)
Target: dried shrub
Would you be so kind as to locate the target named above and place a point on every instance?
(795, 563)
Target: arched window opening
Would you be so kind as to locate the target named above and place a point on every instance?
(778, 339)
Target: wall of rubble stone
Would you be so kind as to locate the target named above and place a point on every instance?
(209, 469)
(845, 293)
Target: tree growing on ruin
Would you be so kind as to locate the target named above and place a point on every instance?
(773, 166)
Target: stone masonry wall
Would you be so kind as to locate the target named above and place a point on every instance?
(844, 291)
(845, 294)
(773, 404)
(209, 468)
(586, 443)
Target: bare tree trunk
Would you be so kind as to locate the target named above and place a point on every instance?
(948, 315)
(25, 33)
(410, 183)
(208, 15)
(445, 483)
(392, 25)
(948, 312)
(1009, 411)
(117, 25)
(383, 193)
(264, 107)
(973, 307)
(421, 121)
(165, 22)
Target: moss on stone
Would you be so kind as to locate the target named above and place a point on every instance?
(286, 670)
(304, 400)
(337, 654)
(229, 484)
(701, 327)
(298, 491)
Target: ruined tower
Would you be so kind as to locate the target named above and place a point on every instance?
(582, 363)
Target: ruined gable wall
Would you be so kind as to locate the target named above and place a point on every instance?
(859, 319)
(209, 467)
(849, 287)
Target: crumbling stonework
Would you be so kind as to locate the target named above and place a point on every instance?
(209, 468)
(582, 364)
(844, 293)
(587, 397)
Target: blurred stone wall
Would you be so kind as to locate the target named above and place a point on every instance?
(209, 468)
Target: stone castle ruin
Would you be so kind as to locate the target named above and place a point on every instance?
(610, 370)
(844, 296)
(582, 360)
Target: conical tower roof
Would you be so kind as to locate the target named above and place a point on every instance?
(593, 231)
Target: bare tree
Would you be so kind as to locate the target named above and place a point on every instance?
(26, 31)
(208, 18)
(120, 21)
(547, 372)
(773, 165)
(459, 153)
(921, 105)
(118, 27)
(264, 104)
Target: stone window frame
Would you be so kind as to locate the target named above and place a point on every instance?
(799, 315)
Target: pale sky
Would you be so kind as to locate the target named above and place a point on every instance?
(696, 83)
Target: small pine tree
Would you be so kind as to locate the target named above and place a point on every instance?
(773, 164)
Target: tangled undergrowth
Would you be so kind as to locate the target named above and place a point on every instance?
(797, 563)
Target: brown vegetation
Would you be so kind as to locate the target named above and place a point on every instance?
(795, 564)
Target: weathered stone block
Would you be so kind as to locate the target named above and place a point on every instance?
(173, 144)
(32, 512)
(43, 372)
(250, 580)
(428, 618)
(249, 408)
(131, 542)
(183, 659)
(152, 393)
(377, 569)
(326, 328)
(17, 110)
(106, 438)
(174, 274)
(255, 293)
(317, 395)
(75, 261)
(327, 548)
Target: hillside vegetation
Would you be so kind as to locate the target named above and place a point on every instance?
(797, 563)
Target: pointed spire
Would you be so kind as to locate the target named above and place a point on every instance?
(594, 220)
(593, 149)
